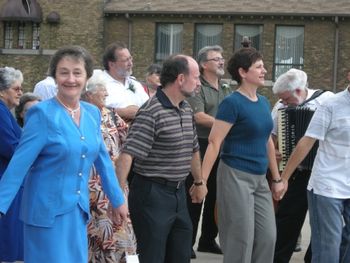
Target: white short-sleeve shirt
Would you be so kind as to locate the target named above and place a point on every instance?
(121, 95)
(330, 125)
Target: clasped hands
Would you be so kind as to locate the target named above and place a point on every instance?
(279, 189)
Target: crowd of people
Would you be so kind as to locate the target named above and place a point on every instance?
(96, 166)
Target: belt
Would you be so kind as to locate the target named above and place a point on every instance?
(165, 182)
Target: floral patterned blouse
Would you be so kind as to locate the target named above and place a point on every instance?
(108, 242)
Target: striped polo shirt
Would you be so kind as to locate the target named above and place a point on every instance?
(162, 139)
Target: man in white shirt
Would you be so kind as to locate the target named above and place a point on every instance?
(329, 185)
(125, 94)
(46, 88)
(291, 88)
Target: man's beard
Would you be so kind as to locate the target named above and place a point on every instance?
(124, 73)
(188, 94)
(220, 72)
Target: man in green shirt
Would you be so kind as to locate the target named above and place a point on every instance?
(205, 105)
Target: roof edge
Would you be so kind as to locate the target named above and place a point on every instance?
(143, 12)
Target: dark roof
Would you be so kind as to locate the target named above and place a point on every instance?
(232, 7)
(21, 10)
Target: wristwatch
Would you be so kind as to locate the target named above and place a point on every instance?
(198, 183)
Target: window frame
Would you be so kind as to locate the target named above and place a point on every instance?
(8, 34)
(159, 56)
(197, 48)
(288, 65)
(35, 35)
(21, 42)
(237, 42)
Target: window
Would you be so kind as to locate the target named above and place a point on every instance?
(21, 31)
(21, 35)
(253, 32)
(36, 36)
(8, 35)
(289, 49)
(168, 40)
(207, 35)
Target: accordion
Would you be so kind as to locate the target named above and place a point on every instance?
(292, 125)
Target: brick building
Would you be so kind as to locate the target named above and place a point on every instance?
(308, 34)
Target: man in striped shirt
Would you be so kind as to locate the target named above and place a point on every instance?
(163, 144)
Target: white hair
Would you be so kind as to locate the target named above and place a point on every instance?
(8, 75)
(290, 81)
(96, 81)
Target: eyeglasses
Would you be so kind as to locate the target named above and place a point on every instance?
(17, 89)
(217, 59)
(125, 60)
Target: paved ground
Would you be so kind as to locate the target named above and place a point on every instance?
(297, 257)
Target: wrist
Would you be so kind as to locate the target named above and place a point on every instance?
(277, 181)
(198, 183)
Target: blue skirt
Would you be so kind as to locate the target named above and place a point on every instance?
(65, 242)
(11, 232)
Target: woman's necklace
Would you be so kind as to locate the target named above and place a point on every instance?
(70, 110)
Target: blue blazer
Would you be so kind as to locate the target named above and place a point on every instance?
(10, 132)
(57, 156)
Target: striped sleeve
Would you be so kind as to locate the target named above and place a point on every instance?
(140, 137)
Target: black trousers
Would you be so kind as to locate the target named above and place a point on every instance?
(290, 217)
(161, 221)
(209, 227)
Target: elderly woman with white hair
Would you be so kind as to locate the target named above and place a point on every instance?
(292, 90)
(107, 242)
(11, 229)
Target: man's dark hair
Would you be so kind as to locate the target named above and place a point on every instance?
(172, 68)
(109, 53)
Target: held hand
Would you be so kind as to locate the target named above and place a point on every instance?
(278, 156)
(198, 193)
(278, 190)
(120, 214)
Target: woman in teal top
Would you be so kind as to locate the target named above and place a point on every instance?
(61, 140)
(242, 127)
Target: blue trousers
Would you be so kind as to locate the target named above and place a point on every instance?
(330, 229)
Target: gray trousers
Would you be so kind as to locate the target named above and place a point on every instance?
(246, 219)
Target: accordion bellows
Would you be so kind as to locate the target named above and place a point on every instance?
(292, 125)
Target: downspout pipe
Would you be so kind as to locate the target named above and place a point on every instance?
(336, 53)
(127, 17)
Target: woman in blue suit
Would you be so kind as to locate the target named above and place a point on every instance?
(61, 141)
(11, 228)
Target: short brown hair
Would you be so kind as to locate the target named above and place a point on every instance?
(242, 58)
